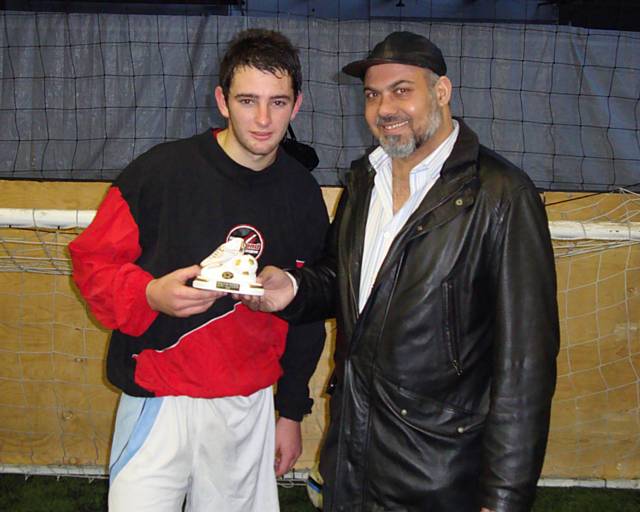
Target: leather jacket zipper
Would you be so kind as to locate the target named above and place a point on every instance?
(353, 297)
(451, 331)
(396, 275)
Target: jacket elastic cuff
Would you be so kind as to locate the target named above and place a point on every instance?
(133, 313)
(293, 412)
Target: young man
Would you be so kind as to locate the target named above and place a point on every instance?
(195, 367)
(440, 272)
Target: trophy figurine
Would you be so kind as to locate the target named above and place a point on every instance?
(229, 269)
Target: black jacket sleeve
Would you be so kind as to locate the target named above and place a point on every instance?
(526, 343)
(304, 346)
(317, 284)
(305, 341)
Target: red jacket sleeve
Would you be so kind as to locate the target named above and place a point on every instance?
(103, 257)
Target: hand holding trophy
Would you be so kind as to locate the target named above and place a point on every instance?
(229, 269)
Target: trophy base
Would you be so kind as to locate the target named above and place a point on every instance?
(228, 286)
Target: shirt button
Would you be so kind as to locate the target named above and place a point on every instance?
(461, 430)
(459, 202)
(403, 412)
(419, 228)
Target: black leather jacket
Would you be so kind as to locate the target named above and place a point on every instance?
(443, 383)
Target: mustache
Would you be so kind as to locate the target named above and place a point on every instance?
(380, 120)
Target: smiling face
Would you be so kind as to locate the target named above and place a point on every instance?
(258, 109)
(406, 108)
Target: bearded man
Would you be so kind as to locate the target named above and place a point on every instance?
(440, 272)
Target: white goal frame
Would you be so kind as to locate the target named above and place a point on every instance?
(22, 218)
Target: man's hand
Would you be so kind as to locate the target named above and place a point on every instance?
(288, 444)
(171, 295)
(278, 291)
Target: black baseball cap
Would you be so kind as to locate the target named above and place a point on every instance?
(401, 48)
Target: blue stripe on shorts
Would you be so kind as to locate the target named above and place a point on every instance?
(136, 416)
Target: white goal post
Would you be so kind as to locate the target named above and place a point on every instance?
(67, 219)
(574, 230)
(45, 219)
(35, 240)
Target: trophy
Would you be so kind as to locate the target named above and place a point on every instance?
(229, 269)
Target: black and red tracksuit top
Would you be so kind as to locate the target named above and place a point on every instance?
(170, 208)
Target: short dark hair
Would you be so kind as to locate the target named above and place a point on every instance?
(266, 50)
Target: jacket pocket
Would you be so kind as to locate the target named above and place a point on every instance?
(425, 414)
(451, 325)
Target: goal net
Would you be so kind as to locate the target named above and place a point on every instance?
(56, 408)
(595, 427)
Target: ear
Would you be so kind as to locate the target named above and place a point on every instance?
(443, 91)
(296, 106)
(222, 102)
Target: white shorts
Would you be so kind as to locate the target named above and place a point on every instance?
(217, 452)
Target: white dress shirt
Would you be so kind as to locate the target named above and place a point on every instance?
(382, 224)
